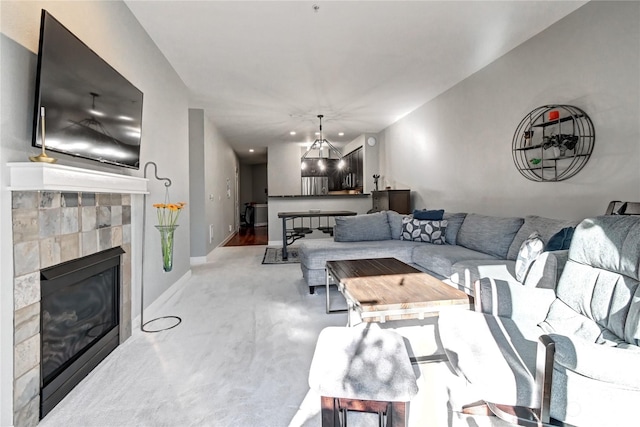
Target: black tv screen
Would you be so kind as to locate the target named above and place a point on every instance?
(90, 110)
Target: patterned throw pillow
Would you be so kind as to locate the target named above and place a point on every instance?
(529, 251)
(423, 231)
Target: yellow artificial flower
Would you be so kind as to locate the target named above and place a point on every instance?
(168, 213)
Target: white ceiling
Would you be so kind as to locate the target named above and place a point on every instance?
(261, 69)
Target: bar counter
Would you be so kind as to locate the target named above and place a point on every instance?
(320, 196)
(359, 203)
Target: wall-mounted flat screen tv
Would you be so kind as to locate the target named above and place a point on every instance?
(89, 109)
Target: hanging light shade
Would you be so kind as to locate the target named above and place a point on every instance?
(318, 145)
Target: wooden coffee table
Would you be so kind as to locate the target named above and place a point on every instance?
(382, 289)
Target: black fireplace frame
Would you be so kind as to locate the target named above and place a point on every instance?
(78, 367)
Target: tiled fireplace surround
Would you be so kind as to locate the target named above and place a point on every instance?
(50, 227)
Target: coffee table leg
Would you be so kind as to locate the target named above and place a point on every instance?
(327, 278)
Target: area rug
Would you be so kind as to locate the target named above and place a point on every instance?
(274, 256)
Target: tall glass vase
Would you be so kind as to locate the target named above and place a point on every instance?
(166, 243)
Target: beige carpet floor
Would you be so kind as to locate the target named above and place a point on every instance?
(241, 357)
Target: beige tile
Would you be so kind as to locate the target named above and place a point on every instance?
(126, 215)
(69, 246)
(126, 200)
(49, 252)
(27, 322)
(104, 217)
(116, 199)
(49, 199)
(24, 200)
(26, 388)
(26, 257)
(26, 356)
(89, 217)
(89, 242)
(25, 225)
(103, 199)
(49, 222)
(69, 221)
(27, 416)
(26, 290)
(116, 215)
(104, 239)
(116, 236)
(126, 234)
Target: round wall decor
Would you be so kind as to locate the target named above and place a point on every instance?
(553, 143)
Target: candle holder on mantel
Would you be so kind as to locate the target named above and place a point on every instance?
(167, 258)
(42, 157)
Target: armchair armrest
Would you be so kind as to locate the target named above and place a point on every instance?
(512, 300)
(547, 269)
(614, 365)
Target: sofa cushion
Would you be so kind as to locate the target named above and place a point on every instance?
(455, 220)
(359, 228)
(314, 253)
(440, 258)
(423, 231)
(395, 223)
(428, 215)
(489, 234)
(529, 251)
(546, 227)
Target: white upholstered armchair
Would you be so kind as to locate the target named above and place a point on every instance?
(570, 355)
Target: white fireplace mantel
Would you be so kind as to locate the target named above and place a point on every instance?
(32, 176)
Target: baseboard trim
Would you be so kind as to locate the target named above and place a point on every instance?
(197, 260)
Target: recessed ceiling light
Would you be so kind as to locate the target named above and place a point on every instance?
(340, 133)
(317, 133)
(293, 132)
(251, 150)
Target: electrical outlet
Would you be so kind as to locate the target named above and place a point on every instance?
(230, 228)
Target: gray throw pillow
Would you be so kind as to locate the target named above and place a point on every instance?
(455, 220)
(424, 231)
(488, 234)
(529, 252)
(395, 224)
(360, 228)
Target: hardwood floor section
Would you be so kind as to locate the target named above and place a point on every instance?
(250, 236)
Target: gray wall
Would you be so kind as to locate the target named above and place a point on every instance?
(199, 226)
(110, 30)
(212, 163)
(455, 151)
(284, 169)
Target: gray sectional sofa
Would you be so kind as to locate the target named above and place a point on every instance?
(475, 246)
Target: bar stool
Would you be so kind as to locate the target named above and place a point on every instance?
(362, 369)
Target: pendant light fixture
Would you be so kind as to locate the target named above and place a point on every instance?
(318, 145)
